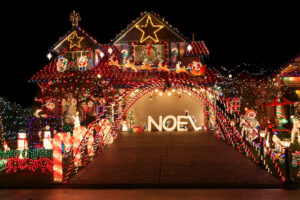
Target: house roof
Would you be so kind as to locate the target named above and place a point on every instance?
(198, 48)
(143, 17)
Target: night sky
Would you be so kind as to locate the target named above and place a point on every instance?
(234, 33)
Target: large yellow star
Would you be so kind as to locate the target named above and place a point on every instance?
(149, 30)
(75, 40)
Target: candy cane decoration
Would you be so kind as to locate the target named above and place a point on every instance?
(105, 130)
(78, 134)
(90, 144)
(58, 140)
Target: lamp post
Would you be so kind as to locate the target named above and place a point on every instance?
(262, 135)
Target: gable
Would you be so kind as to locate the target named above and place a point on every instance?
(149, 28)
(76, 38)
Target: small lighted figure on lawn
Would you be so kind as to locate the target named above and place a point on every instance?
(22, 143)
(124, 126)
(295, 133)
(47, 140)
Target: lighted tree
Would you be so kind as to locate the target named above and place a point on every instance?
(13, 118)
(1, 133)
(131, 119)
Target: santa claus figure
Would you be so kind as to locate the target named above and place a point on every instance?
(197, 69)
(82, 63)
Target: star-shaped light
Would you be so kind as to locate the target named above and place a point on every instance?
(149, 30)
(75, 40)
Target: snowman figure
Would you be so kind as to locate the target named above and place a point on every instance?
(124, 126)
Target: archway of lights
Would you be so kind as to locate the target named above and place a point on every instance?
(103, 132)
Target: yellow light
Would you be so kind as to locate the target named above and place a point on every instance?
(98, 76)
(149, 24)
(169, 93)
(160, 94)
(156, 90)
(75, 40)
(189, 47)
(173, 90)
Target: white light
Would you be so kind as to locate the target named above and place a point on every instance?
(160, 94)
(101, 54)
(49, 55)
(173, 90)
(286, 143)
(169, 93)
(99, 76)
(230, 76)
(262, 134)
(189, 93)
(156, 90)
(189, 47)
(110, 50)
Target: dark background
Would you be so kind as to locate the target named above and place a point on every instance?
(233, 32)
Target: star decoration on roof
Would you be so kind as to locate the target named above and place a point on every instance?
(75, 40)
(149, 30)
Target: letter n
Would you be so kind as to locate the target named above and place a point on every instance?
(151, 121)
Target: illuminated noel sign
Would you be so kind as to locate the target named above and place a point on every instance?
(179, 123)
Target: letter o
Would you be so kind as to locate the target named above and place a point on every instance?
(174, 123)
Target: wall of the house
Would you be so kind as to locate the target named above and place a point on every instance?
(166, 105)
